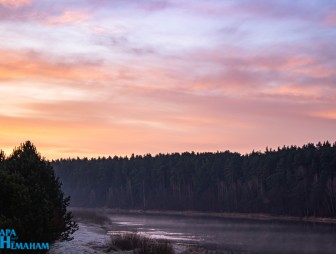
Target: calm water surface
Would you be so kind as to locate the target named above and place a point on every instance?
(234, 234)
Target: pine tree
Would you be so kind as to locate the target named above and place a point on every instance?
(31, 199)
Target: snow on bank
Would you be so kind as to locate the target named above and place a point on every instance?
(87, 240)
(92, 239)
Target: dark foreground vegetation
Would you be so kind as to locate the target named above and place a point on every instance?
(139, 244)
(296, 181)
(31, 200)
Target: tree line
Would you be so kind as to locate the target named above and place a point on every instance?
(296, 181)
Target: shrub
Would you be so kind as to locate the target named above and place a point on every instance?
(155, 247)
(127, 241)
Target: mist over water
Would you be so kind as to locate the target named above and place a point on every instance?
(233, 234)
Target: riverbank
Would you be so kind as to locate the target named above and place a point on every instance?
(92, 238)
(246, 216)
(88, 239)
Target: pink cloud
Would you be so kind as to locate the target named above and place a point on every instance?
(29, 64)
(328, 114)
(258, 9)
(15, 3)
(69, 17)
(245, 72)
(135, 119)
(331, 19)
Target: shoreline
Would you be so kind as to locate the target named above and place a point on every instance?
(224, 215)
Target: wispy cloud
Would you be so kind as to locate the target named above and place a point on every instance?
(69, 17)
(15, 3)
(29, 64)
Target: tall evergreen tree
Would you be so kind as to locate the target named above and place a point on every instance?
(31, 199)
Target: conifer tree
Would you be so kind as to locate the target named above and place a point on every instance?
(31, 199)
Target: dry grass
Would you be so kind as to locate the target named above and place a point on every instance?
(139, 244)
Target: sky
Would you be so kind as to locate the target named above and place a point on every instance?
(114, 77)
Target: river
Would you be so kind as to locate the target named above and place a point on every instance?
(243, 236)
(236, 235)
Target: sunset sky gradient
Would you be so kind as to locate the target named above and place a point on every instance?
(115, 77)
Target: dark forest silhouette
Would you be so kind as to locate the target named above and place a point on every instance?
(296, 181)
